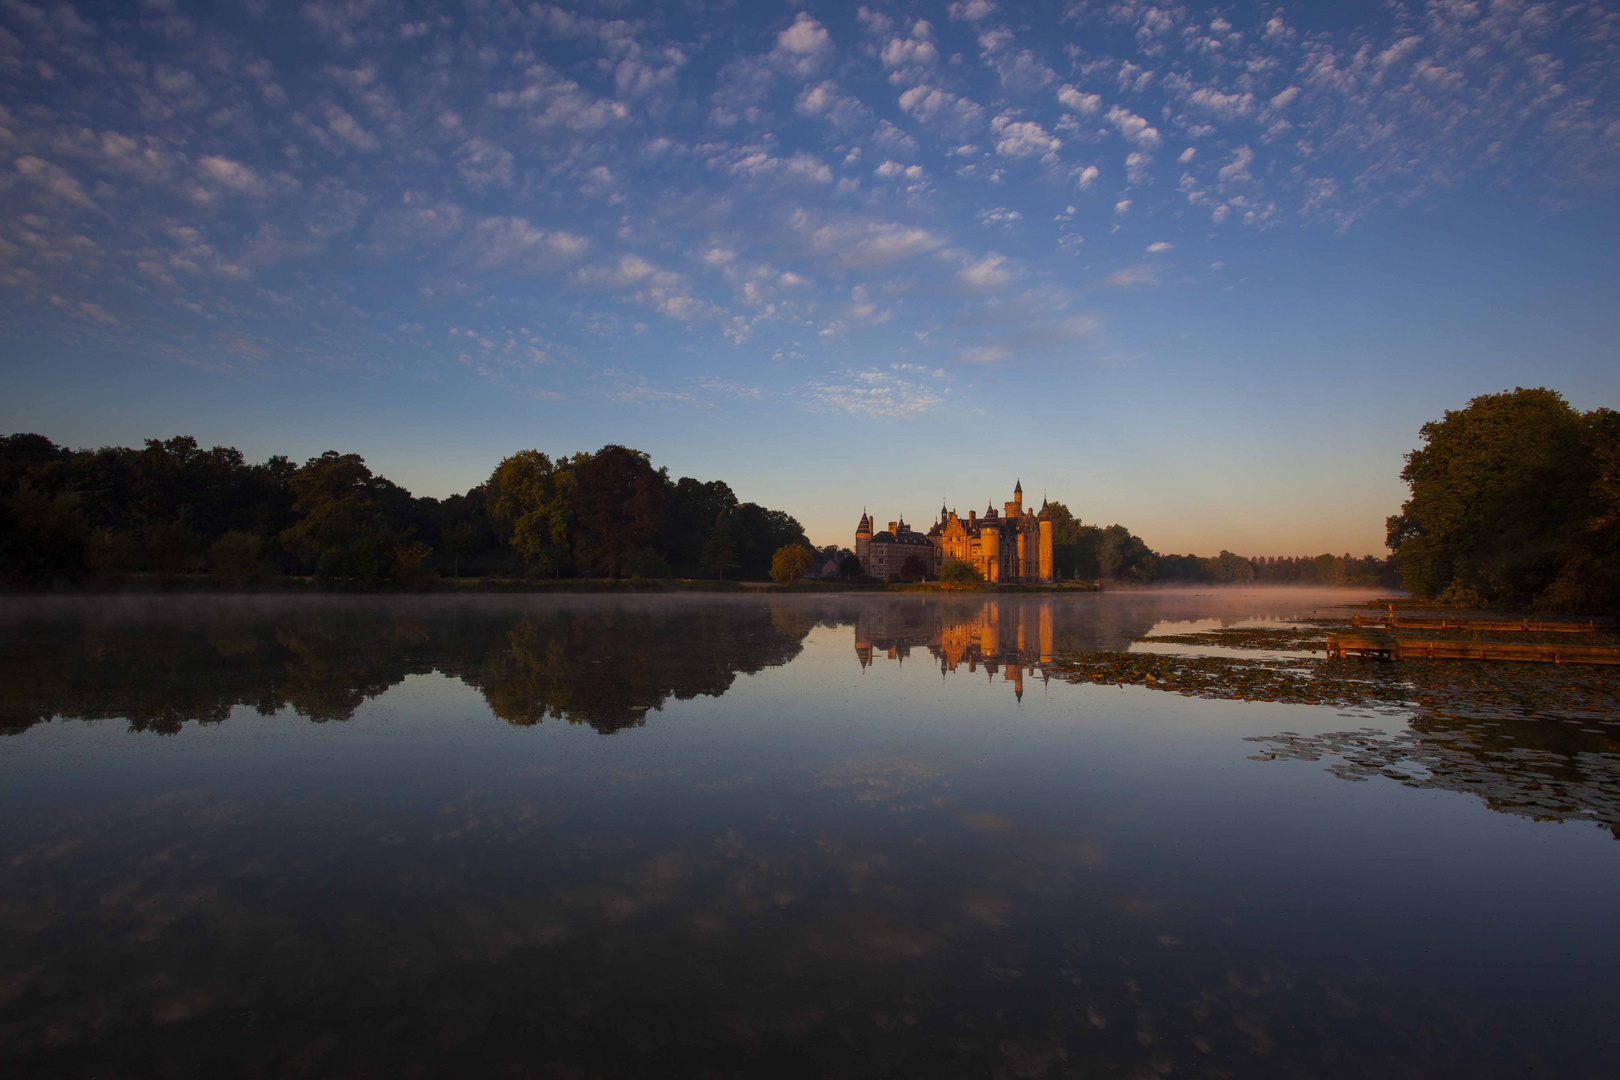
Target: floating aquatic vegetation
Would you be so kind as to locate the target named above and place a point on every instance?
(1537, 740)
(1294, 681)
(1578, 781)
(1280, 639)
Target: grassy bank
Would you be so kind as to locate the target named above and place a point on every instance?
(160, 584)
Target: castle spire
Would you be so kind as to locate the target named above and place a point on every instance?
(1018, 487)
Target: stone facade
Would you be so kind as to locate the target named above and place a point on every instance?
(1014, 545)
(885, 553)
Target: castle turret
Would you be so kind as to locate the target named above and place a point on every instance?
(863, 541)
(1018, 496)
(990, 544)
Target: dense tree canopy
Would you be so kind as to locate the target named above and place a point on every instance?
(173, 507)
(1510, 504)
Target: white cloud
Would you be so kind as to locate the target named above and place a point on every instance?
(1020, 71)
(916, 50)
(1001, 215)
(929, 103)
(1187, 155)
(502, 242)
(875, 21)
(349, 130)
(757, 162)
(1158, 247)
(1084, 176)
(483, 163)
(55, 181)
(891, 169)
(1226, 106)
(987, 354)
(802, 47)
(878, 394)
(988, 273)
(971, 10)
(233, 175)
(1134, 128)
(1022, 138)
(1082, 103)
(825, 101)
(1131, 277)
(552, 101)
(869, 243)
(97, 312)
(893, 139)
(1123, 206)
(1236, 171)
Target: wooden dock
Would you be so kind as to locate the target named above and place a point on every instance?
(1392, 648)
(1522, 625)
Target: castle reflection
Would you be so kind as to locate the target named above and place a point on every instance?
(1015, 638)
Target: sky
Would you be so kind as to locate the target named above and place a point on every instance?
(1200, 270)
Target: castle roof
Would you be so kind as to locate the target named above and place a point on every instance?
(1018, 487)
(914, 539)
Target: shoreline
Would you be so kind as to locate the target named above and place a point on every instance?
(210, 584)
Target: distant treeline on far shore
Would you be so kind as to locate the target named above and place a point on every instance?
(173, 508)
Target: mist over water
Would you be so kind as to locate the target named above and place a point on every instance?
(857, 834)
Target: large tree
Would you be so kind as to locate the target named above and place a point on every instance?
(351, 524)
(1124, 556)
(694, 508)
(1499, 490)
(621, 510)
(530, 501)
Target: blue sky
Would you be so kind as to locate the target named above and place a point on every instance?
(1200, 270)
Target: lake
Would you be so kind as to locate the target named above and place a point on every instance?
(852, 835)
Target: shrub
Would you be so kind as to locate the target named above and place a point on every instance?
(790, 563)
(957, 574)
(239, 556)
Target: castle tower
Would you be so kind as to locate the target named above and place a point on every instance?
(863, 540)
(990, 544)
(1018, 496)
(1048, 568)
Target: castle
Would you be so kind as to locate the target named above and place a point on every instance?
(1012, 546)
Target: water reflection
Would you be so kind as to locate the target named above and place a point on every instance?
(1541, 768)
(855, 869)
(604, 662)
(160, 665)
(1010, 636)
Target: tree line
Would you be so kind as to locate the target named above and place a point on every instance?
(1515, 501)
(172, 507)
(1114, 553)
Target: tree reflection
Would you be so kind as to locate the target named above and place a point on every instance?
(596, 664)
(1546, 768)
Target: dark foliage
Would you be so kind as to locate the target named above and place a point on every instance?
(1513, 502)
(175, 508)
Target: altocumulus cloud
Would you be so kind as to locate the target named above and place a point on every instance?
(186, 175)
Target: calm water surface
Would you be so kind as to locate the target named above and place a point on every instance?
(852, 836)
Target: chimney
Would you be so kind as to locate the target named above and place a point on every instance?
(892, 528)
(973, 518)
